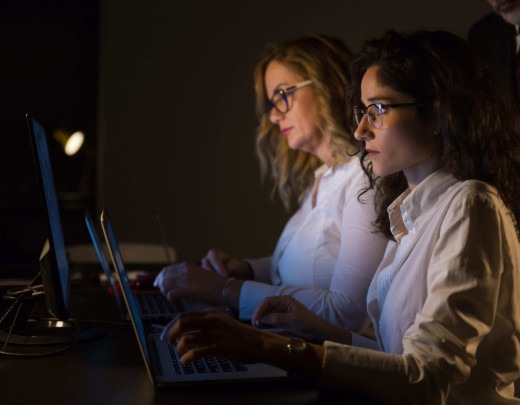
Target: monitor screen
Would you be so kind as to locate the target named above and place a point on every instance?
(55, 267)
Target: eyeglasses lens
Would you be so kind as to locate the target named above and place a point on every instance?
(375, 116)
(372, 114)
(279, 101)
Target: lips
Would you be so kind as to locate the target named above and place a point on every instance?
(285, 131)
(371, 153)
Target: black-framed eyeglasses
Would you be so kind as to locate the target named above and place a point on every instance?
(280, 99)
(375, 112)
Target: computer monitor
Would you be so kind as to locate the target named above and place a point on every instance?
(54, 263)
(18, 323)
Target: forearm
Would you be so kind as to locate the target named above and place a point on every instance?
(231, 292)
(396, 378)
(276, 352)
(335, 333)
(244, 272)
(336, 308)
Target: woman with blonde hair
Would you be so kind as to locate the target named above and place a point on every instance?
(328, 251)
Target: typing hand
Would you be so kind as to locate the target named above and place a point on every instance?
(209, 332)
(292, 316)
(226, 265)
(188, 279)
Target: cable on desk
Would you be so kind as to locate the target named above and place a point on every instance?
(19, 297)
(19, 307)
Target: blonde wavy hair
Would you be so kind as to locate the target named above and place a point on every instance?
(325, 61)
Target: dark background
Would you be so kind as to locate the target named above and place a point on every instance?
(164, 92)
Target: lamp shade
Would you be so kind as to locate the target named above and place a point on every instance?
(71, 142)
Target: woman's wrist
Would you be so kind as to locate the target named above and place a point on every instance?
(244, 272)
(231, 293)
(300, 357)
(335, 333)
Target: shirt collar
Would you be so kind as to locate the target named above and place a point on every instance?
(405, 211)
(325, 171)
(320, 171)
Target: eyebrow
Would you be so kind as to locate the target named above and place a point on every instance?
(282, 84)
(380, 99)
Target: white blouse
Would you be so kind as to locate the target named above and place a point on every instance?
(327, 254)
(445, 302)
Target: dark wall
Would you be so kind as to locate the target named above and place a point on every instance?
(49, 63)
(177, 119)
(48, 68)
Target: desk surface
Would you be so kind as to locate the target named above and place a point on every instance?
(111, 370)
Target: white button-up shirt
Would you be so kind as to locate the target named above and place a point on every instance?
(445, 302)
(327, 253)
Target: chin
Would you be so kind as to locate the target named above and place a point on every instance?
(377, 171)
(382, 172)
(294, 146)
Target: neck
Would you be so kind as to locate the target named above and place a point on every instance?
(418, 173)
(326, 157)
(323, 151)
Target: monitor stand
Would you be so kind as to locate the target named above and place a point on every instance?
(17, 326)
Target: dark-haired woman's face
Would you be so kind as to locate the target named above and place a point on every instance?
(404, 142)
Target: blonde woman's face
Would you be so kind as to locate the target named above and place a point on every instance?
(299, 125)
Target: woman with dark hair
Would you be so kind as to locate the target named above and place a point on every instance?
(329, 250)
(445, 300)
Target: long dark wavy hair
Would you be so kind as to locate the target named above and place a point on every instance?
(476, 129)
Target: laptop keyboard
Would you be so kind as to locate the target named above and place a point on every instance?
(155, 305)
(206, 365)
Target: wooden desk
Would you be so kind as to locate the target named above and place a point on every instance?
(110, 370)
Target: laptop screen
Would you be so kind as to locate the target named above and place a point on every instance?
(98, 246)
(128, 295)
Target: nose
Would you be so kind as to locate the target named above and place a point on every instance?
(275, 116)
(363, 130)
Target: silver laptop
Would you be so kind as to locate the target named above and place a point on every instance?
(153, 306)
(160, 357)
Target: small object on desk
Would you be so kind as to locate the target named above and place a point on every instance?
(144, 282)
(139, 280)
(133, 275)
